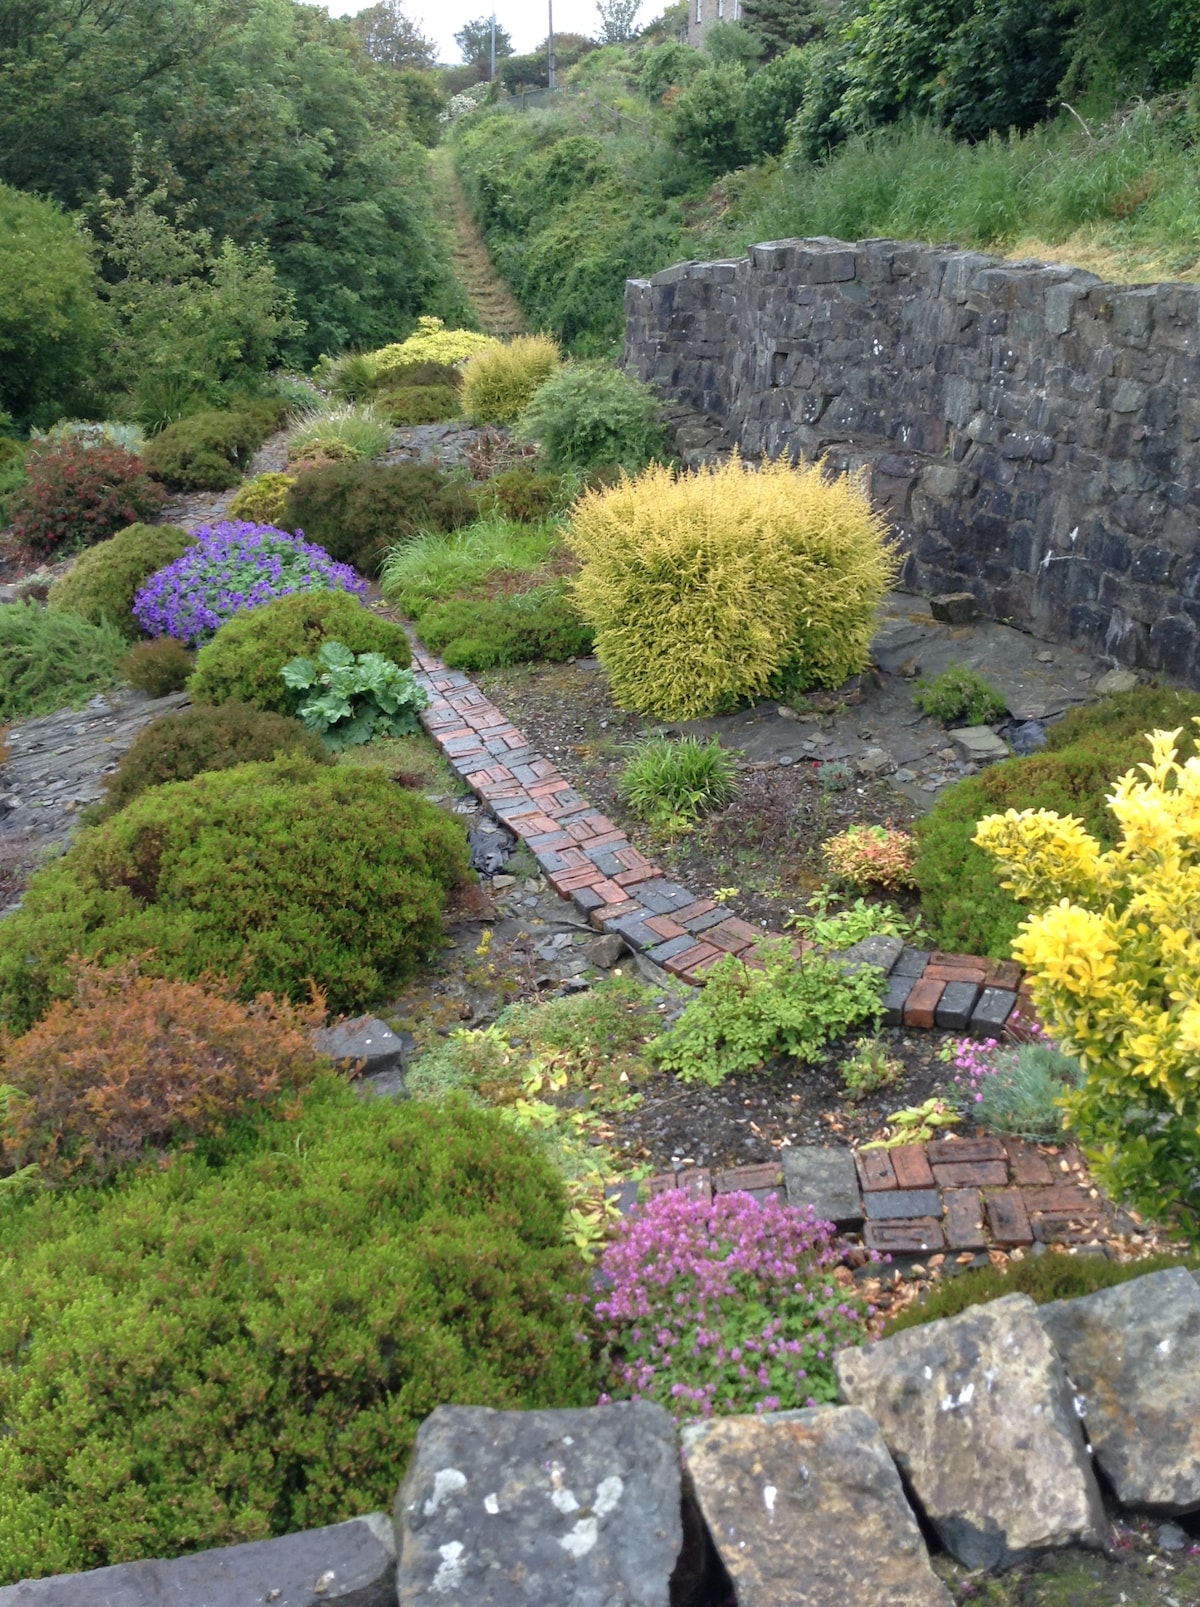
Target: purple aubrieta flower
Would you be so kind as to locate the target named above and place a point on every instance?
(230, 567)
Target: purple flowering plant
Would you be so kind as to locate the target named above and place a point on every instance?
(233, 566)
(725, 1306)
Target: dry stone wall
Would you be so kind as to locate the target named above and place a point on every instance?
(1032, 433)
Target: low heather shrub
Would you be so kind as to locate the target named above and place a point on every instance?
(278, 1316)
(671, 782)
(230, 568)
(500, 381)
(75, 495)
(209, 451)
(102, 582)
(417, 404)
(960, 696)
(271, 874)
(591, 413)
(871, 856)
(243, 661)
(726, 1306)
(358, 510)
(129, 1064)
(489, 633)
(177, 747)
(262, 499)
(527, 496)
(159, 667)
(51, 661)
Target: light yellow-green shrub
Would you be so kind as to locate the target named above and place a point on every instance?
(262, 499)
(499, 381)
(708, 588)
(430, 342)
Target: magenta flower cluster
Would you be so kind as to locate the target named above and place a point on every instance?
(975, 1060)
(725, 1306)
(233, 566)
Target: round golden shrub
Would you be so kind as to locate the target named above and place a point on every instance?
(711, 588)
(262, 499)
(499, 381)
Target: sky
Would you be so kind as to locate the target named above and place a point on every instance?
(525, 20)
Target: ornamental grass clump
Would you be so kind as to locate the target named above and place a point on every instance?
(232, 567)
(499, 382)
(51, 661)
(1113, 957)
(706, 588)
(726, 1306)
(348, 432)
(670, 782)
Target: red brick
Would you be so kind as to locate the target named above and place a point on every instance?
(964, 1149)
(912, 1167)
(702, 906)
(953, 973)
(964, 1219)
(917, 1237)
(566, 882)
(634, 878)
(766, 1176)
(696, 1182)
(692, 957)
(611, 893)
(726, 937)
(666, 927)
(631, 859)
(664, 1183)
(1008, 1218)
(971, 1174)
(547, 789)
(533, 825)
(875, 1170)
(612, 912)
(1061, 1197)
(921, 1005)
(1026, 1163)
(695, 973)
(1004, 974)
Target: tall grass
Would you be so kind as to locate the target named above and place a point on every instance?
(438, 565)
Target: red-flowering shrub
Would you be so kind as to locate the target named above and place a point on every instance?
(129, 1063)
(78, 494)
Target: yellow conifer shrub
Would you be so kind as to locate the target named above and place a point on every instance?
(1113, 951)
(499, 381)
(430, 342)
(711, 587)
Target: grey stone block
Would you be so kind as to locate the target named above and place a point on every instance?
(889, 1205)
(912, 962)
(662, 897)
(896, 997)
(827, 1180)
(881, 952)
(993, 1010)
(364, 1041)
(954, 607)
(347, 1564)
(956, 1005)
(662, 952)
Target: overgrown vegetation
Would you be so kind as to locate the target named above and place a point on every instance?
(51, 661)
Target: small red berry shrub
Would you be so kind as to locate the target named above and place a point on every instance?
(77, 495)
(130, 1063)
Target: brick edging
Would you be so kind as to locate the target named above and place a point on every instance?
(589, 860)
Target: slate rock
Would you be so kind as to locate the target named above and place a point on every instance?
(345, 1565)
(979, 744)
(571, 1507)
(979, 1414)
(1115, 681)
(1027, 737)
(806, 1509)
(826, 1179)
(371, 1043)
(604, 952)
(1133, 1355)
(954, 607)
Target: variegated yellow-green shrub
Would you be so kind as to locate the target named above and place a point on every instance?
(1113, 951)
(499, 381)
(710, 588)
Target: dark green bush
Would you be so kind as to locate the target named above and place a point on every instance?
(773, 96)
(1128, 714)
(271, 874)
(488, 633)
(421, 375)
(526, 495)
(209, 451)
(589, 414)
(180, 746)
(417, 404)
(242, 662)
(52, 661)
(706, 119)
(244, 1344)
(356, 511)
(102, 582)
(159, 667)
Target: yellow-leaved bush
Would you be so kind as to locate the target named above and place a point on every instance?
(708, 588)
(499, 381)
(430, 342)
(1113, 952)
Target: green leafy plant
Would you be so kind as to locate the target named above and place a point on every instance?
(357, 511)
(866, 856)
(589, 413)
(834, 775)
(488, 633)
(435, 1241)
(209, 451)
(52, 661)
(354, 697)
(103, 581)
(870, 1068)
(671, 782)
(960, 695)
(780, 1005)
(177, 747)
(74, 495)
(159, 667)
(1024, 1092)
(842, 929)
(916, 1124)
(243, 660)
(270, 874)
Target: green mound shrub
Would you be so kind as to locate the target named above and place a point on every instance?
(421, 376)
(177, 747)
(243, 660)
(708, 588)
(209, 451)
(589, 413)
(526, 495)
(964, 907)
(356, 511)
(500, 381)
(489, 633)
(103, 581)
(960, 696)
(159, 667)
(262, 499)
(53, 661)
(271, 874)
(245, 1343)
(418, 404)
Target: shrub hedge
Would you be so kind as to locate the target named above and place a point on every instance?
(270, 874)
(102, 582)
(244, 1343)
(158, 667)
(209, 451)
(357, 510)
(499, 382)
(243, 660)
(262, 499)
(488, 633)
(591, 413)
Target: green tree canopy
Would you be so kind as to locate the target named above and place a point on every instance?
(390, 37)
(781, 24)
(474, 39)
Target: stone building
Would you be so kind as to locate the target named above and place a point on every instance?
(703, 13)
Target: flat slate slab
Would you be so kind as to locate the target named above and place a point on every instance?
(825, 1179)
(346, 1564)
(568, 1508)
(807, 1510)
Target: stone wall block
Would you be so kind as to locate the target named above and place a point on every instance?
(979, 1414)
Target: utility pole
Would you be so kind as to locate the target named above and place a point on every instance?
(492, 74)
(550, 52)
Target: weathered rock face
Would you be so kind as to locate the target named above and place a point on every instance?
(807, 1510)
(579, 1508)
(345, 1565)
(1133, 1353)
(978, 1412)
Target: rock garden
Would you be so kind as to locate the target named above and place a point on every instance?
(503, 935)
